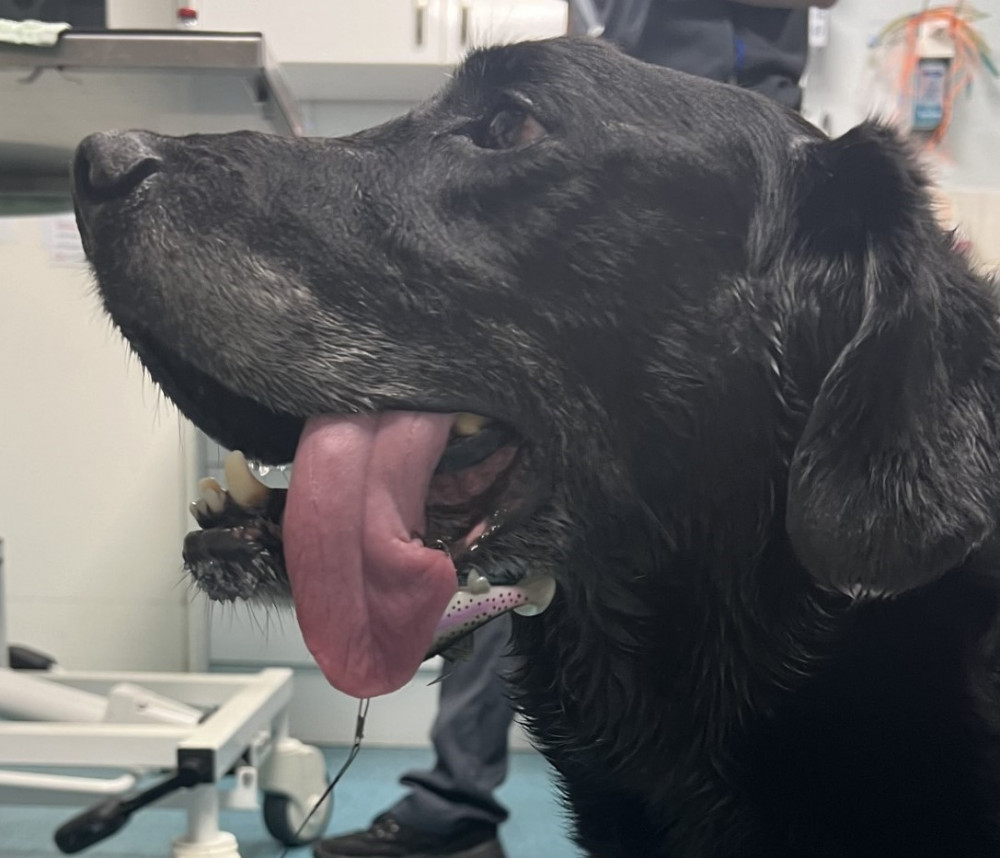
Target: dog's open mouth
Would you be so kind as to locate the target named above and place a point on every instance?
(380, 525)
(382, 512)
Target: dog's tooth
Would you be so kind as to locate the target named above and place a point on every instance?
(539, 592)
(244, 488)
(468, 423)
(212, 493)
(477, 584)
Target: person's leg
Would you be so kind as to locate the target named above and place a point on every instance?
(470, 740)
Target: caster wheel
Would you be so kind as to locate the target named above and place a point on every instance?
(283, 816)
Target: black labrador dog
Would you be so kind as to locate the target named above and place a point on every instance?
(581, 320)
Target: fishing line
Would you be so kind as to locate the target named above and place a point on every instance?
(359, 733)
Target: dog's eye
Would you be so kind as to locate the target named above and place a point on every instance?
(510, 128)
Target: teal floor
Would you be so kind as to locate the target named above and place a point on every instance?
(536, 826)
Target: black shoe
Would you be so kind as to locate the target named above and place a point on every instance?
(387, 838)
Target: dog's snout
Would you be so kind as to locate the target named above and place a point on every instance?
(112, 164)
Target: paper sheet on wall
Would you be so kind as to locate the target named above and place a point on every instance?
(6, 230)
(62, 242)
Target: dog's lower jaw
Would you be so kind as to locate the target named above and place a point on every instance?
(237, 555)
(259, 578)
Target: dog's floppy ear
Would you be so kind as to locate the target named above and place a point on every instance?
(895, 478)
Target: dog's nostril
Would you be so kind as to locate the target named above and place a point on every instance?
(111, 165)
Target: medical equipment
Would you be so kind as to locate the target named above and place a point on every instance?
(196, 741)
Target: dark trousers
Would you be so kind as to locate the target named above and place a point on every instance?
(470, 739)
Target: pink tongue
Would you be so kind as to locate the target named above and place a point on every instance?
(368, 594)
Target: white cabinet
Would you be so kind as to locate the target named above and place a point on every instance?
(477, 23)
(335, 31)
(363, 50)
(384, 31)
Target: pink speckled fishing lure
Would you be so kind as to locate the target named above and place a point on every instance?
(479, 602)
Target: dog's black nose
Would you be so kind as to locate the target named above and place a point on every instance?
(112, 164)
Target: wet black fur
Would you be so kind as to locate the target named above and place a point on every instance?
(758, 386)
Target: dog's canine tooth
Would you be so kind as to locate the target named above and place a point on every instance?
(467, 423)
(244, 488)
(212, 494)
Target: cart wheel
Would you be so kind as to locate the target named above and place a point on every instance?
(283, 816)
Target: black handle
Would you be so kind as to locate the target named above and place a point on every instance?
(91, 826)
(99, 822)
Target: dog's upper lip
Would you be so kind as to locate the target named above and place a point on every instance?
(234, 420)
(466, 449)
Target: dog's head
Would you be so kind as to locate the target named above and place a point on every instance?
(573, 311)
